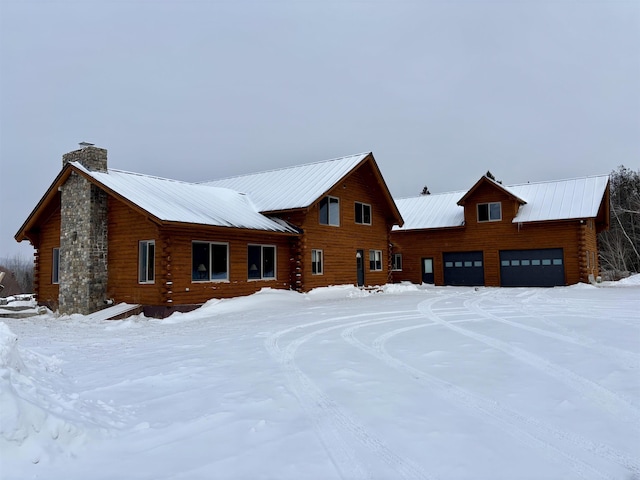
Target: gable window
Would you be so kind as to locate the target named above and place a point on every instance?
(330, 211)
(209, 261)
(375, 260)
(363, 213)
(261, 262)
(396, 262)
(146, 261)
(55, 267)
(489, 212)
(316, 262)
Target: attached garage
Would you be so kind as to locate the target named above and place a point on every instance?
(463, 268)
(532, 268)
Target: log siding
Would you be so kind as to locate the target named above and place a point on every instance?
(574, 237)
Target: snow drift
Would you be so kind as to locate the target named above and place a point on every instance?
(33, 414)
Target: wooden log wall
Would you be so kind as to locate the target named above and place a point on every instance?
(490, 238)
(339, 244)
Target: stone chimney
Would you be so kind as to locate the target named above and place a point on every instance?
(90, 157)
(83, 236)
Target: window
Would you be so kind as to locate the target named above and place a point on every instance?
(375, 260)
(489, 212)
(316, 262)
(55, 267)
(330, 211)
(396, 262)
(146, 261)
(363, 213)
(209, 261)
(261, 262)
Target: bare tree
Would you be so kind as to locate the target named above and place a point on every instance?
(19, 274)
(620, 246)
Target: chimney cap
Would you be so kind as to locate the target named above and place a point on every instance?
(86, 144)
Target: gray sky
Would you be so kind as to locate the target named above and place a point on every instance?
(440, 91)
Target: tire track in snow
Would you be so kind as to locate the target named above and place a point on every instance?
(337, 430)
(629, 359)
(527, 430)
(615, 404)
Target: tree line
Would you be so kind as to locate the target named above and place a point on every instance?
(620, 245)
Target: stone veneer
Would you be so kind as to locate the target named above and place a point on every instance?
(83, 237)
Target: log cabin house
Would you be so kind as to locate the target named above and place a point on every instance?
(105, 236)
(533, 234)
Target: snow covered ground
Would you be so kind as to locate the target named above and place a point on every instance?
(408, 383)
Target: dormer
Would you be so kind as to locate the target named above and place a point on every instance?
(488, 202)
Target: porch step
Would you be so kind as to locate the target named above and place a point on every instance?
(109, 313)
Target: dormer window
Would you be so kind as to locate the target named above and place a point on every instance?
(489, 212)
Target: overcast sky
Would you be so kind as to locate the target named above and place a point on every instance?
(439, 91)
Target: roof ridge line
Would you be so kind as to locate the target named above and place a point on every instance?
(558, 180)
(286, 168)
(138, 174)
(431, 195)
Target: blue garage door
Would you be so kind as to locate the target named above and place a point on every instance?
(532, 268)
(463, 268)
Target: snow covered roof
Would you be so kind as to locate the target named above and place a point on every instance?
(493, 182)
(292, 187)
(431, 211)
(543, 201)
(560, 200)
(175, 201)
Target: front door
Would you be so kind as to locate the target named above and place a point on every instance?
(360, 267)
(427, 270)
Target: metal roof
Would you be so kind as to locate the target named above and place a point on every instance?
(560, 200)
(545, 201)
(292, 187)
(175, 201)
(431, 211)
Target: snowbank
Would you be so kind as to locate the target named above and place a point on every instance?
(27, 406)
(633, 280)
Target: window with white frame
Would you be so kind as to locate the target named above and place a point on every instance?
(375, 260)
(396, 262)
(489, 212)
(316, 262)
(261, 262)
(363, 213)
(209, 261)
(55, 266)
(330, 211)
(146, 261)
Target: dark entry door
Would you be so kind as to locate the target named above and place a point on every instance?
(427, 270)
(360, 267)
(463, 268)
(532, 268)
